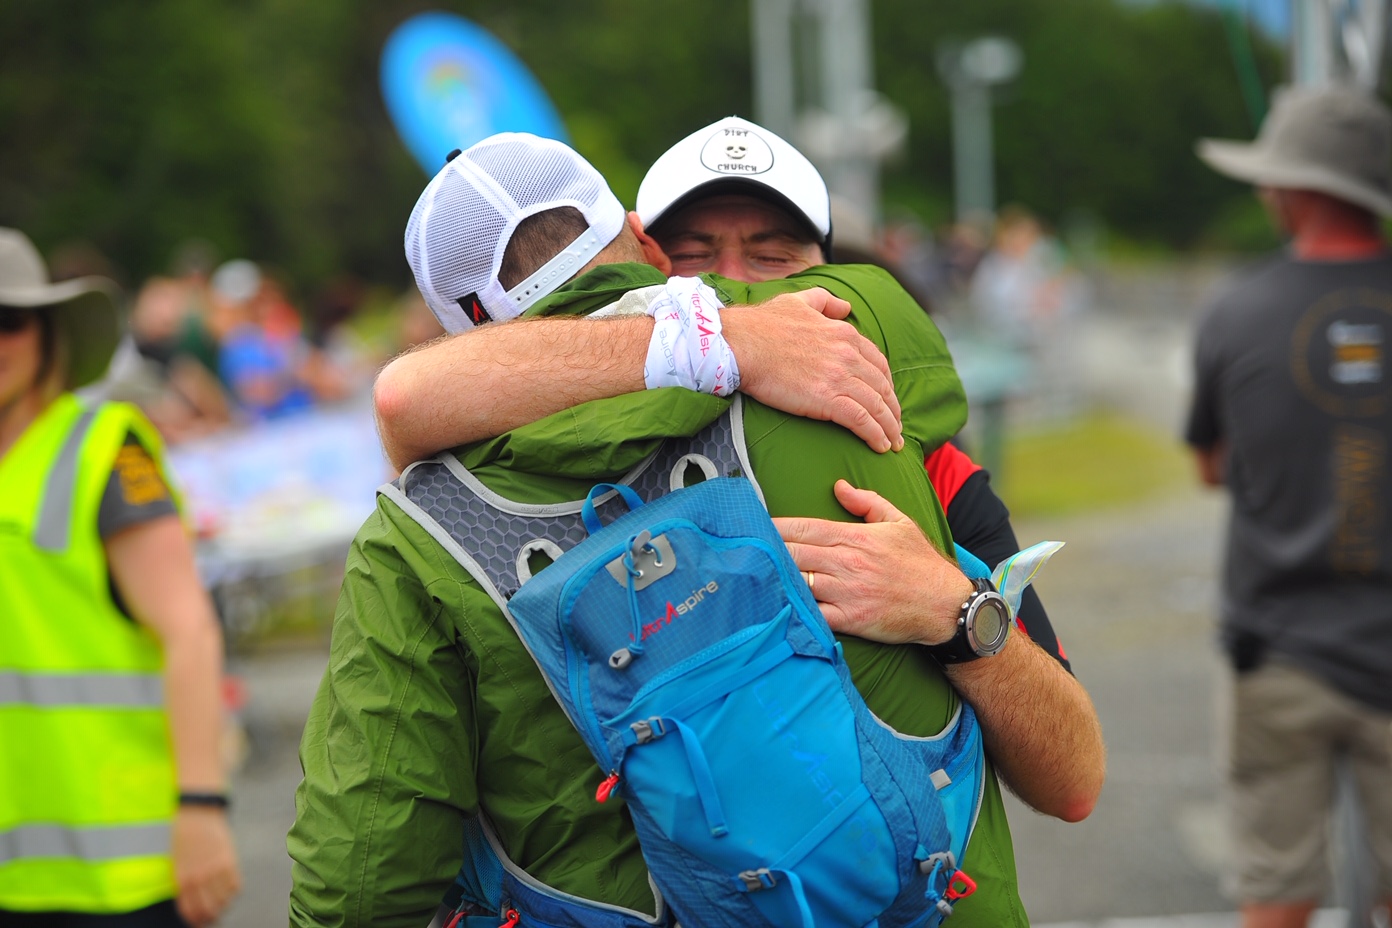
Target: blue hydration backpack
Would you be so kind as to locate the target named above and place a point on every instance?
(692, 658)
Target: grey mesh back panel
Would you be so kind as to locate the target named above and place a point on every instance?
(492, 531)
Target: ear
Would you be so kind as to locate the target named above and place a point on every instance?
(652, 251)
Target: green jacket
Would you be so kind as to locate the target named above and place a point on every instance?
(431, 709)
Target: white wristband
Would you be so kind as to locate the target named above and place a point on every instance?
(687, 348)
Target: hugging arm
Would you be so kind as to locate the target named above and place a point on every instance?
(883, 580)
(793, 351)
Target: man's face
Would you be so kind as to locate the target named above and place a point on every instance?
(739, 237)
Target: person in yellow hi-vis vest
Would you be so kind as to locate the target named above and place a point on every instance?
(112, 793)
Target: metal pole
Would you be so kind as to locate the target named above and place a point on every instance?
(846, 92)
(1312, 43)
(972, 142)
(774, 97)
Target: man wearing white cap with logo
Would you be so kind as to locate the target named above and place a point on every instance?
(431, 712)
(737, 200)
(1293, 414)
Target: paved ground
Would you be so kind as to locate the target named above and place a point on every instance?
(1132, 597)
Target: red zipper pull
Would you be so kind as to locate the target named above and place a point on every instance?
(512, 918)
(959, 886)
(605, 788)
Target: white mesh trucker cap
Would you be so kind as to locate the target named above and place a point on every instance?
(736, 156)
(463, 221)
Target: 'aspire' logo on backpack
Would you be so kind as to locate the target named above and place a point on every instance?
(681, 608)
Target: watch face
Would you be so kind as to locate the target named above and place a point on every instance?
(989, 625)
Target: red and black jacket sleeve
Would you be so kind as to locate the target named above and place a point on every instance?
(980, 523)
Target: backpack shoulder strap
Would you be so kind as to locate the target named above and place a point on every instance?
(494, 537)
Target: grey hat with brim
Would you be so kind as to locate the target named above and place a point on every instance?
(1335, 140)
(84, 311)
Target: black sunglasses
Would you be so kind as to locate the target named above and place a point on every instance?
(14, 320)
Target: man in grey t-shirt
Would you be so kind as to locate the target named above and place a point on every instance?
(1293, 414)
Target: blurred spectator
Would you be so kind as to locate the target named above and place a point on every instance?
(1025, 293)
(270, 368)
(910, 248)
(1024, 285)
(964, 245)
(179, 393)
(80, 258)
(418, 324)
(1291, 414)
(192, 266)
(856, 242)
(334, 307)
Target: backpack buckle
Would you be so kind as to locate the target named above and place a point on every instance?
(648, 729)
(755, 880)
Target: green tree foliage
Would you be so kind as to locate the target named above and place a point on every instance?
(1102, 118)
(258, 124)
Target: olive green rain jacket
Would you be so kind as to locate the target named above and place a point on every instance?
(431, 710)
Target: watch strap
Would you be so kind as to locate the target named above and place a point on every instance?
(958, 648)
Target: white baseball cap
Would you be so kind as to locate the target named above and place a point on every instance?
(734, 155)
(463, 221)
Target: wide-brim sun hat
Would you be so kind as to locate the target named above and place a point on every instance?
(734, 155)
(1334, 139)
(84, 310)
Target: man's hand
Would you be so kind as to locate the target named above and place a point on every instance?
(883, 580)
(1212, 463)
(205, 864)
(796, 355)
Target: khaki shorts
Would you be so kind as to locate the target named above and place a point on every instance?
(1286, 732)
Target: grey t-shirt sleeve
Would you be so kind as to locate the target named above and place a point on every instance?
(136, 491)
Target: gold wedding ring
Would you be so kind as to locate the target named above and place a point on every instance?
(810, 577)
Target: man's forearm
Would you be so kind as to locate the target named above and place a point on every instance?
(488, 381)
(1040, 727)
(793, 352)
(884, 581)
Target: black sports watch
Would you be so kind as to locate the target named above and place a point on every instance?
(983, 624)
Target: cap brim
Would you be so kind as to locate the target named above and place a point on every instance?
(1249, 163)
(740, 186)
(86, 317)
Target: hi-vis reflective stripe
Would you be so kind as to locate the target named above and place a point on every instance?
(98, 690)
(92, 843)
(51, 532)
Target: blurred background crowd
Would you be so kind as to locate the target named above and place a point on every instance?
(233, 167)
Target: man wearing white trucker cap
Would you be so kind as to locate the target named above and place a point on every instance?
(734, 199)
(1292, 412)
(432, 713)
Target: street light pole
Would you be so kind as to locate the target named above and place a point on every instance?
(973, 151)
(840, 123)
(774, 93)
(1338, 40)
(970, 72)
